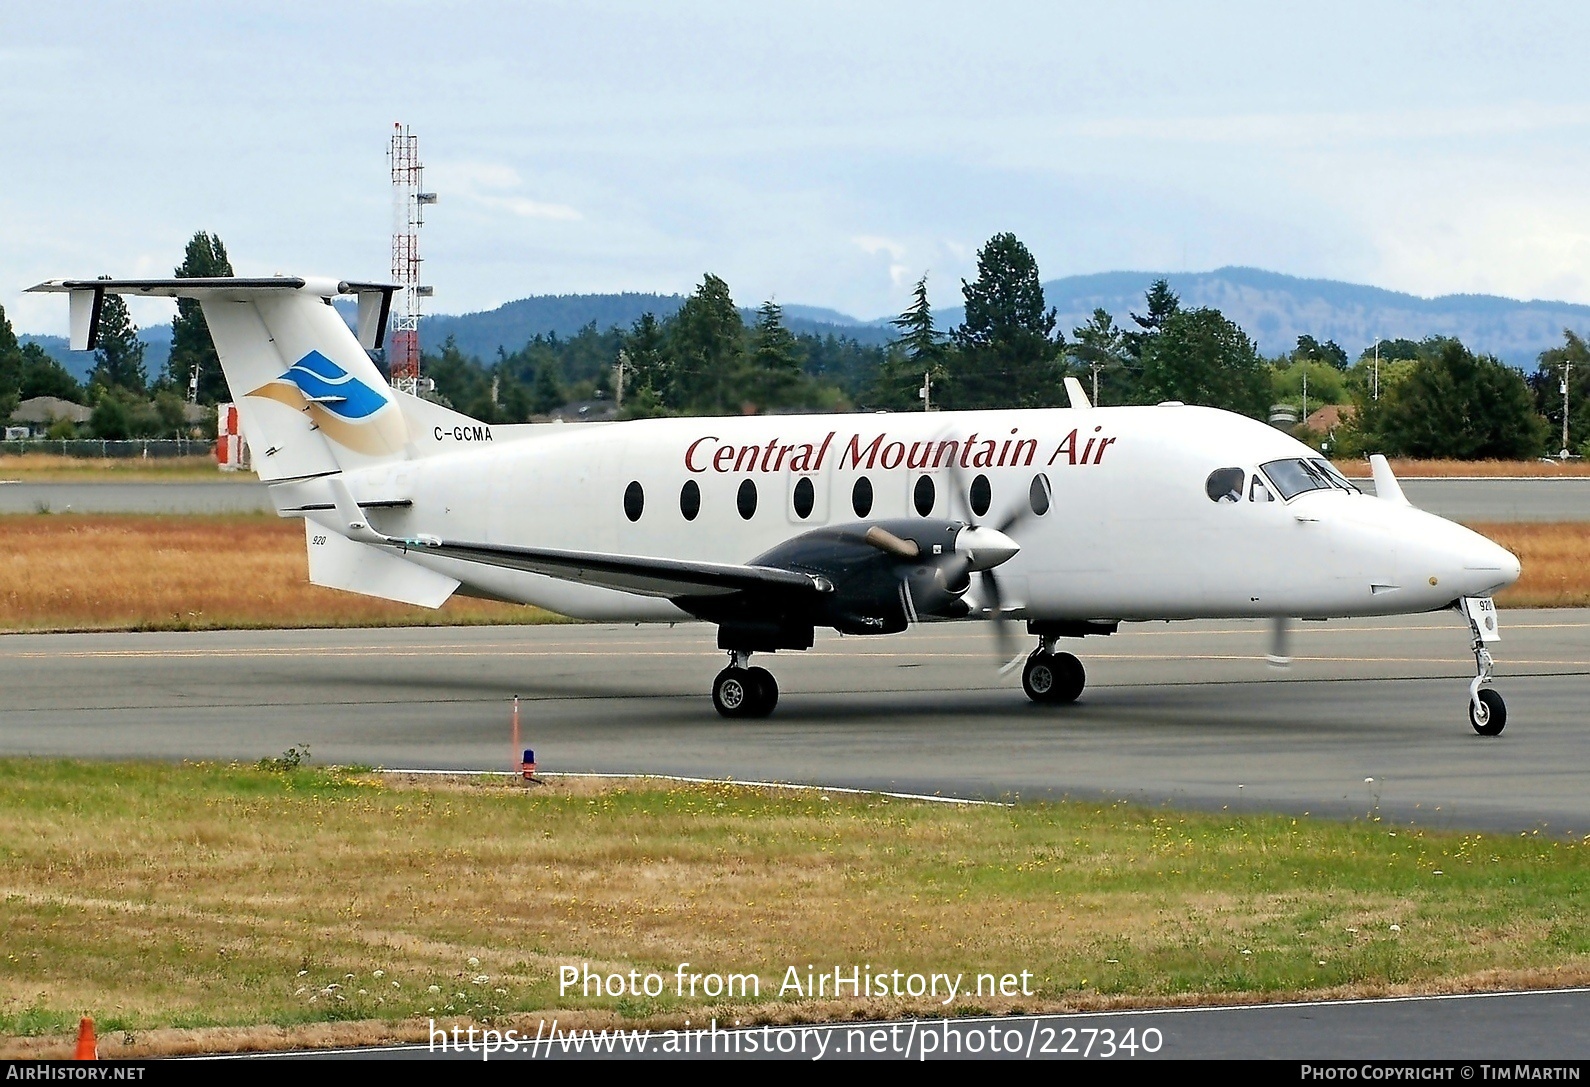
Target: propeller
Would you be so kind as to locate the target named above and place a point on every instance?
(984, 548)
(1280, 635)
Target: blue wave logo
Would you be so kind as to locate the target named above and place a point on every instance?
(325, 383)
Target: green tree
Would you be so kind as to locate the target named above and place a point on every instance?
(706, 340)
(120, 355)
(1456, 404)
(777, 379)
(1197, 356)
(1099, 347)
(546, 395)
(43, 376)
(648, 373)
(191, 345)
(11, 365)
(917, 353)
(1006, 352)
(1330, 352)
(1572, 359)
(1163, 304)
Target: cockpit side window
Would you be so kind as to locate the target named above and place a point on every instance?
(1225, 484)
(1259, 491)
(1329, 470)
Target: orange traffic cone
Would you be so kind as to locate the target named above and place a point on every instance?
(87, 1046)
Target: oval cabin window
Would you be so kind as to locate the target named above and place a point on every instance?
(746, 500)
(982, 495)
(690, 500)
(923, 496)
(861, 497)
(634, 501)
(1038, 494)
(805, 498)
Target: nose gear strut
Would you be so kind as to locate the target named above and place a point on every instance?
(1487, 710)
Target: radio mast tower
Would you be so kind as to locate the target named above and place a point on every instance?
(408, 215)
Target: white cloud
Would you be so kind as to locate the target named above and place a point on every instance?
(490, 185)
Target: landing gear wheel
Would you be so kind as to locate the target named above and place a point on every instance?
(1490, 716)
(1072, 678)
(1053, 677)
(1039, 676)
(735, 692)
(767, 691)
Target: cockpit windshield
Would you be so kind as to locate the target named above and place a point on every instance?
(1294, 476)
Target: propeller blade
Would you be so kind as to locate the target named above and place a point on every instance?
(1280, 630)
(889, 543)
(1004, 641)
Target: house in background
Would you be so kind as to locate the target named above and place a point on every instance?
(38, 414)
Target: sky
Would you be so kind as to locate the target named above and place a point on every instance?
(814, 153)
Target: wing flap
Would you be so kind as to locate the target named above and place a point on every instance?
(628, 573)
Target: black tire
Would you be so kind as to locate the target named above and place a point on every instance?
(735, 693)
(1072, 678)
(767, 691)
(1039, 676)
(1495, 718)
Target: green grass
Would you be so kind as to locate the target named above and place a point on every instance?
(155, 895)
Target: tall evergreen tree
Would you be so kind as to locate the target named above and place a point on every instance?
(1457, 404)
(120, 355)
(918, 353)
(1199, 357)
(776, 374)
(706, 339)
(648, 376)
(1163, 304)
(191, 346)
(1004, 355)
(1547, 385)
(11, 365)
(43, 376)
(1101, 348)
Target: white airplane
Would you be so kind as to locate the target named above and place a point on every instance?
(773, 526)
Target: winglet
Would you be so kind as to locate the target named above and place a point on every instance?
(1074, 391)
(1386, 485)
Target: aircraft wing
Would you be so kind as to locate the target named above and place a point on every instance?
(629, 573)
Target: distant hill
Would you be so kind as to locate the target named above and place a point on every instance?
(513, 324)
(157, 348)
(1274, 309)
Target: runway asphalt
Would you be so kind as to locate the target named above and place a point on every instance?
(1371, 717)
(1565, 499)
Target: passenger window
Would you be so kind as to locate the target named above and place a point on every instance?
(746, 499)
(805, 498)
(634, 501)
(861, 497)
(982, 496)
(1258, 492)
(690, 500)
(1038, 494)
(1225, 484)
(924, 495)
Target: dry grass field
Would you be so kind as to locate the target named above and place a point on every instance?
(126, 572)
(258, 906)
(1413, 469)
(53, 468)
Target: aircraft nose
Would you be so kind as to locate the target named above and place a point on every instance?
(985, 548)
(1491, 563)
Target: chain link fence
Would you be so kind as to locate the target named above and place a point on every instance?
(140, 448)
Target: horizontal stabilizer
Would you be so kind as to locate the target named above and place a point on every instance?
(340, 563)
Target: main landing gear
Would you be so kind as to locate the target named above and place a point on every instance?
(1487, 711)
(742, 691)
(1050, 677)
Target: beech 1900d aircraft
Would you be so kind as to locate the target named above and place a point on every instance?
(1072, 520)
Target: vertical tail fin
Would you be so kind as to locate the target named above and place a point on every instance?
(309, 399)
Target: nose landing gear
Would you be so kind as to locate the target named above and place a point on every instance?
(1487, 710)
(742, 691)
(1050, 677)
